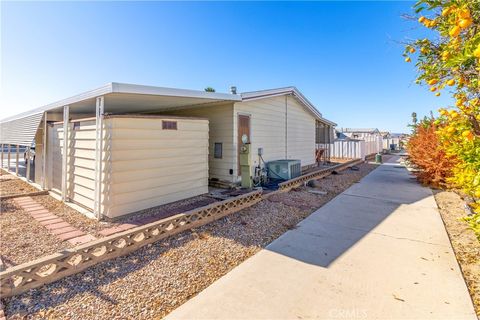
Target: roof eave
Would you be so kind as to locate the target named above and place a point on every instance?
(171, 92)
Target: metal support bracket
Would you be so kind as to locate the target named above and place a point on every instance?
(17, 159)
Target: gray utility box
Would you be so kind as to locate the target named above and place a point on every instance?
(284, 169)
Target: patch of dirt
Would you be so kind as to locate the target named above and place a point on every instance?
(463, 239)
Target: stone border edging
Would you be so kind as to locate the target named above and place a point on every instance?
(54, 267)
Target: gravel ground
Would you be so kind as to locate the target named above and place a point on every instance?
(13, 185)
(23, 239)
(154, 280)
(464, 241)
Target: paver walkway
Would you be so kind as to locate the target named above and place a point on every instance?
(379, 250)
(56, 225)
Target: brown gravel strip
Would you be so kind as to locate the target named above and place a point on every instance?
(156, 279)
(13, 185)
(463, 239)
(23, 239)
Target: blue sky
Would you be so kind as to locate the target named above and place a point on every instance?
(344, 56)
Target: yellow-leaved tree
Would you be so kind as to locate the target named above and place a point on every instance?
(449, 61)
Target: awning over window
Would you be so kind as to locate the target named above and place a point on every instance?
(20, 131)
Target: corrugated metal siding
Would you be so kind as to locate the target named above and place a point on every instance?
(20, 131)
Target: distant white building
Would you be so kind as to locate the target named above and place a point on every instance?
(361, 133)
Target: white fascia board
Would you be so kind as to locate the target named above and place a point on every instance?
(106, 89)
(172, 92)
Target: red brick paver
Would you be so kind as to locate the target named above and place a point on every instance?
(40, 215)
(71, 234)
(40, 211)
(51, 221)
(46, 217)
(126, 226)
(63, 230)
(57, 225)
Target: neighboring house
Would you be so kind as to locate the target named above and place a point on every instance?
(132, 147)
(357, 133)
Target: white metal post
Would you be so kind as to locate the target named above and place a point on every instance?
(27, 174)
(66, 139)
(98, 156)
(9, 152)
(2, 154)
(44, 152)
(16, 160)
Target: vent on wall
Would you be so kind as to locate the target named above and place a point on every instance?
(169, 125)
(218, 150)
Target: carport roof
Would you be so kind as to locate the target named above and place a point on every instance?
(118, 95)
(133, 98)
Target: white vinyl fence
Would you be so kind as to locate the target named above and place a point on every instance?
(373, 145)
(356, 149)
(348, 149)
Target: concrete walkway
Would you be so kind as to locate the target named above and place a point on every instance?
(377, 251)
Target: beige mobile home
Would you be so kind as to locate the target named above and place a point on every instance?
(282, 123)
(123, 148)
